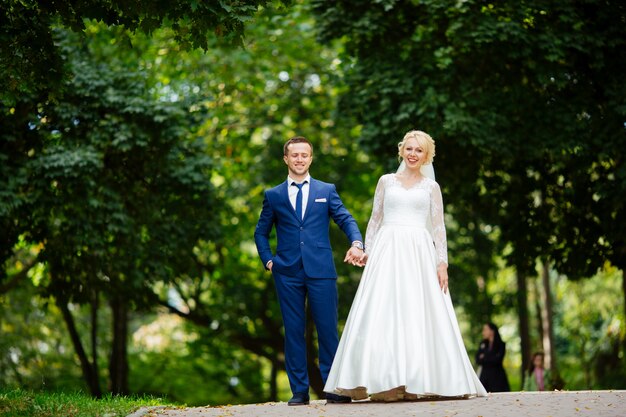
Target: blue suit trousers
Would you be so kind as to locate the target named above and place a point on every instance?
(293, 292)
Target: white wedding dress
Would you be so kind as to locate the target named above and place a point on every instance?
(402, 331)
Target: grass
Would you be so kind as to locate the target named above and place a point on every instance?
(21, 403)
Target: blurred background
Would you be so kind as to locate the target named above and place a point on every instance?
(137, 140)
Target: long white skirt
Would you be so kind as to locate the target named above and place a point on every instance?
(402, 331)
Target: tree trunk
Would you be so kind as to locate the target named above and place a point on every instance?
(95, 305)
(585, 363)
(538, 311)
(546, 319)
(90, 372)
(118, 364)
(274, 382)
(620, 262)
(522, 312)
(624, 294)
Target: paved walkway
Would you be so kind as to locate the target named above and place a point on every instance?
(536, 404)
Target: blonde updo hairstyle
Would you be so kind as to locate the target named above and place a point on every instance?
(423, 140)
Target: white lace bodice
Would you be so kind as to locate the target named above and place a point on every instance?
(418, 206)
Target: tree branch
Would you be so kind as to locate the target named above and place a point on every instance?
(15, 279)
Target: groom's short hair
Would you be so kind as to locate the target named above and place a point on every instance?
(296, 139)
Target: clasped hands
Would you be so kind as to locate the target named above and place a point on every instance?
(355, 256)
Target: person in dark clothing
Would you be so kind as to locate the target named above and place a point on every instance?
(489, 357)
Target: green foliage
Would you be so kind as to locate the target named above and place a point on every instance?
(31, 63)
(18, 403)
(170, 355)
(35, 350)
(115, 184)
(526, 103)
(589, 331)
(138, 169)
(110, 182)
(167, 355)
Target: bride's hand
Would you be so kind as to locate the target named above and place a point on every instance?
(442, 274)
(353, 256)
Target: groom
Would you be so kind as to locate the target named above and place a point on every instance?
(300, 209)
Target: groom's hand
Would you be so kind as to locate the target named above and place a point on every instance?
(353, 256)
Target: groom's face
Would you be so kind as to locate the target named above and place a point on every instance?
(298, 159)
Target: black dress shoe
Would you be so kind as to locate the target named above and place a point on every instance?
(337, 399)
(299, 399)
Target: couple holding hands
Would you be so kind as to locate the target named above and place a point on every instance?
(401, 340)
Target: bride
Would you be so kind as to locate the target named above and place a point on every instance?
(401, 340)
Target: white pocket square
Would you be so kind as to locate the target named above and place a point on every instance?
(320, 200)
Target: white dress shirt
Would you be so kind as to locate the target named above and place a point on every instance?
(293, 192)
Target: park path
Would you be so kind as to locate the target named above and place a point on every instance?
(535, 404)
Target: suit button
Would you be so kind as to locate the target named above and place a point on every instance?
(301, 243)
(302, 228)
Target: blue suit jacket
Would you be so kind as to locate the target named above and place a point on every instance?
(307, 239)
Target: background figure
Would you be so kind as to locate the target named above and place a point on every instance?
(537, 378)
(490, 356)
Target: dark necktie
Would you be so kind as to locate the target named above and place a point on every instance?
(299, 200)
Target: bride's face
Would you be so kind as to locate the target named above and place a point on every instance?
(413, 154)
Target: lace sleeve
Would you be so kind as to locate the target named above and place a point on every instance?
(376, 219)
(438, 225)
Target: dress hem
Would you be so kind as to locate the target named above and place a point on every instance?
(399, 393)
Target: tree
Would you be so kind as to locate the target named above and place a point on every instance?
(526, 102)
(36, 67)
(114, 189)
(31, 63)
